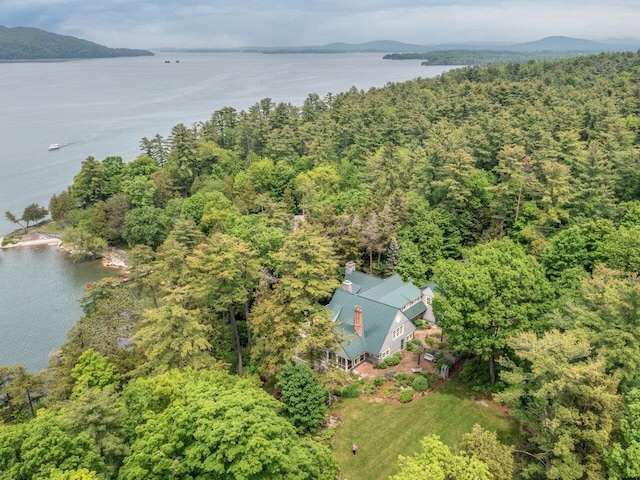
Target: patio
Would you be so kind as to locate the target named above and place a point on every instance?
(409, 359)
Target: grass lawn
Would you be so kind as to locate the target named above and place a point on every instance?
(382, 431)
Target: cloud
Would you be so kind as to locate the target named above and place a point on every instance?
(227, 23)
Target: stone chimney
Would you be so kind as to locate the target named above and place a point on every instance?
(350, 267)
(357, 320)
(347, 286)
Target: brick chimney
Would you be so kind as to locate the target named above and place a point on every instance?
(349, 268)
(347, 286)
(357, 319)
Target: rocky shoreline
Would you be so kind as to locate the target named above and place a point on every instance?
(34, 238)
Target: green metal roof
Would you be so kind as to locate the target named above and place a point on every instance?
(393, 291)
(417, 309)
(432, 286)
(377, 319)
(362, 281)
(381, 300)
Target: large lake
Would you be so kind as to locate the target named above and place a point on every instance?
(104, 107)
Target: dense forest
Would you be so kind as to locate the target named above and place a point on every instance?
(478, 57)
(26, 43)
(515, 188)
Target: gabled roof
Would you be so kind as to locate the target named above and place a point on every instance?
(431, 285)
(393, 291)
(377, 319)
(381, 301)
(362, 281)
(414, 311)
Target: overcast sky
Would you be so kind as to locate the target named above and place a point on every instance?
(235, 23)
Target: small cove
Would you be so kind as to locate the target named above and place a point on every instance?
(44, 287)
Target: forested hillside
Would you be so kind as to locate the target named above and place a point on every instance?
(516, 188)
(478, 57)
(26, 43)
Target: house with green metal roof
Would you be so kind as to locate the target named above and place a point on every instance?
(375, 315)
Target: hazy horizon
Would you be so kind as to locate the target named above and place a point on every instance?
(156, 24)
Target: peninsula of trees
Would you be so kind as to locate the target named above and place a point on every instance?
(515, 188)
(26, 43)
(478, 57)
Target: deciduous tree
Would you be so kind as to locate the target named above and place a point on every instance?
(209, 424)
(484, 445)
(623, 457)
(436, 462)
(495, 292)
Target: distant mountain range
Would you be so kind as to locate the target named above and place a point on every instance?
(548, 44)
(25, 43)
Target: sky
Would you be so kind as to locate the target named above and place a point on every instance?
(240, 23)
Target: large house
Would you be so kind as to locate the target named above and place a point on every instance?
(376, 315)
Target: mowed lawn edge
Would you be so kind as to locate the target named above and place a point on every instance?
(382, 431)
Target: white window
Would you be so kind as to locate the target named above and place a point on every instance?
(385, 354)
(409, 337)
(410, 304)
(397, 332)
(342, 363)
(428, 300)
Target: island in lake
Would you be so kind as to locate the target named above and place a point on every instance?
(26, 43)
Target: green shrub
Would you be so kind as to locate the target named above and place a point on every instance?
(475, 373)
(406, 396)
(419, 324)
(369, 388)
(305, 401)
(414, 345)
(420, 384)
(381, 365)
(403, 379)
(429, 376)
(430, 341)
(325, 434)
(379, 380)
(388, 391)
(394, 359)
(351, 391)
(444, 361)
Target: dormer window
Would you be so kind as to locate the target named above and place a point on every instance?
(410, 304)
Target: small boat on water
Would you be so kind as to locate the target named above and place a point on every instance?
(55, 146)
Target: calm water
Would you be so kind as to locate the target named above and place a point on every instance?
(39, 287)
(104, 107)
